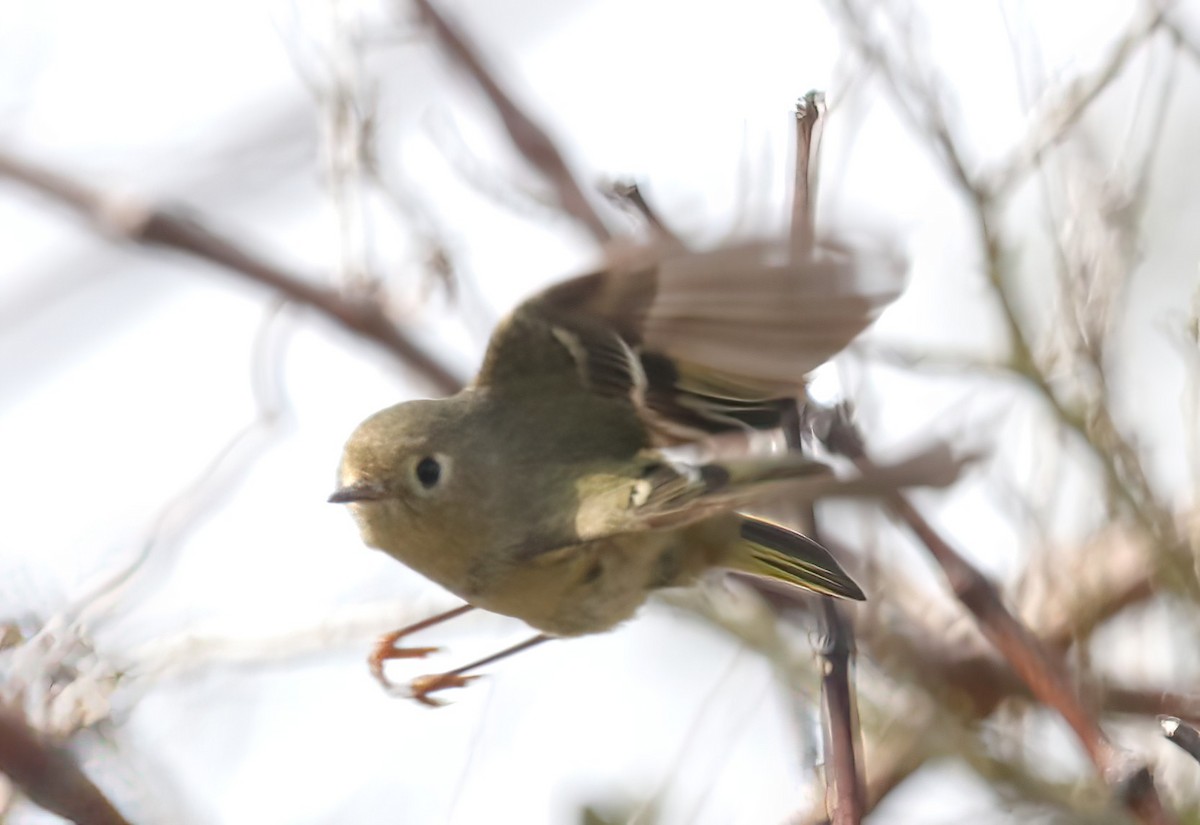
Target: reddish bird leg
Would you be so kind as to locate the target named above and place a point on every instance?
(422, 686)
(386, 647)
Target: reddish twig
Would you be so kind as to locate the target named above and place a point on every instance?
(48, 775)
(530, 139)
(147, 224)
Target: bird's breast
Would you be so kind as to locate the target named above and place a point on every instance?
(589, 587)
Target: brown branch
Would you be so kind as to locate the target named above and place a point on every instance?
(810, 110)
(49, 775)
(147, 224)
(1035, 666)
(1145, 702)
(530, 139)
(1025, 654)
(1032, 662)
(836, 678)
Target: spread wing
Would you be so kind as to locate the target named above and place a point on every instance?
(701, 342)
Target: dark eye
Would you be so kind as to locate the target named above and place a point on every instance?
(428, 472)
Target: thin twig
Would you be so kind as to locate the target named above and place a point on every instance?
(628, 193)
(1060, 108)
(921, 105)
(530, 139)
(810, 111)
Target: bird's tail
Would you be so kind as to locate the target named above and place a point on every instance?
(778, 553)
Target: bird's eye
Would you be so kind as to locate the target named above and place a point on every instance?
(429, 471)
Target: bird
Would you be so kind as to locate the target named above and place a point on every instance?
(551, 488)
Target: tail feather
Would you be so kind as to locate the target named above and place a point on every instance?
(775, 552)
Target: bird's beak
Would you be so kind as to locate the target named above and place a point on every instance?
(358, 491)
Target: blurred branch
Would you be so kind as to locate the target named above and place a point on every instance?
(348, 112)
(1061, 107)
(1181, 734)
(1035, 666)
(1187, 40)
(194, 651)
(143, 223)
(810, 111)
(921, 104)
(49, 776)
(836, 681)
(930, 652)
(1045, 676)
(1145, 702)
(629, 194)
(530, 139)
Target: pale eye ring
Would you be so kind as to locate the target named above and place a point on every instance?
(428, 472)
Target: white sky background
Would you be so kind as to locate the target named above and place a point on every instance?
(124, 373)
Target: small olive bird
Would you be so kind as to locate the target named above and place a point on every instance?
(541, 491)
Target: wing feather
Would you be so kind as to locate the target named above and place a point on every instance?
(702, 342)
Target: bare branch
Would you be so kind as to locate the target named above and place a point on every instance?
(1036, 666)
(836, 681)
(1148, 702)
(529, 138)
(922, 106)
(144, 223)
(49, 775)
(628, 193)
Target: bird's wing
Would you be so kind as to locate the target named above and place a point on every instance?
(665, 494)
(669, 494)
(702, 342)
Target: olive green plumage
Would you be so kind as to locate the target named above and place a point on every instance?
(541, 490)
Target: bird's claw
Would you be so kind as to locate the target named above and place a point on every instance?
(422, 686)
(385, 649)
